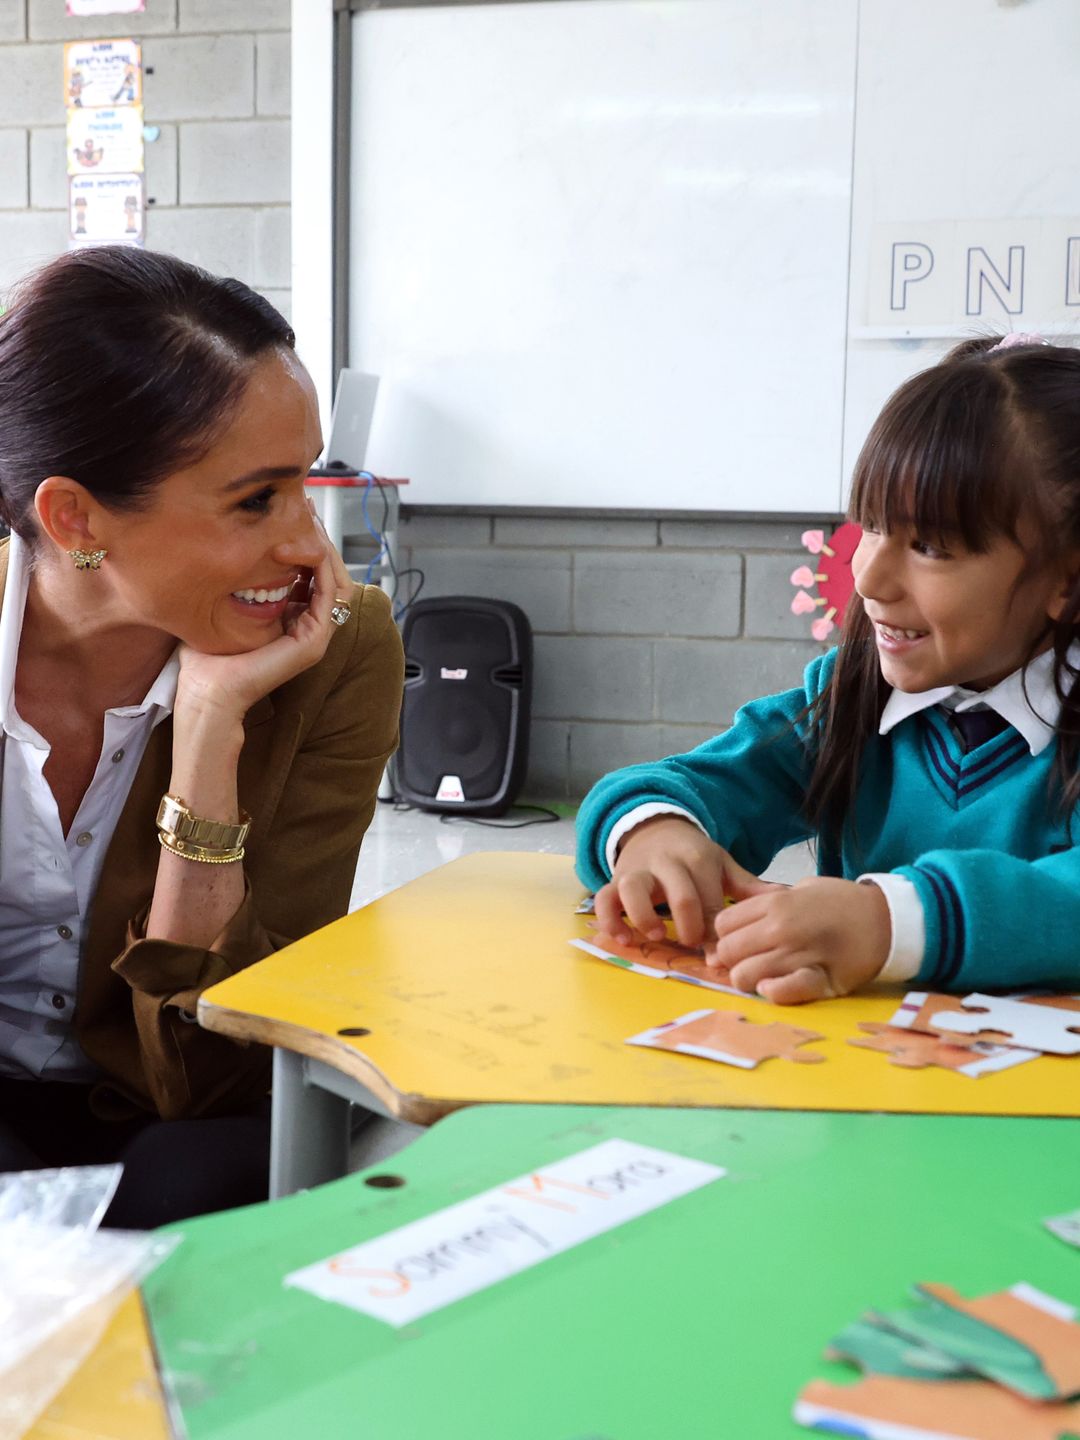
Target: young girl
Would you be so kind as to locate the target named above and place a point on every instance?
(933, 755)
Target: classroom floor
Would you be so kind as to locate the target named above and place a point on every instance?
(402, 845)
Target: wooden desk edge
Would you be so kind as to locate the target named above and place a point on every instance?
(415, 1109)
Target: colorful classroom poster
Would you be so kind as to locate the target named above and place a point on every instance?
(105, 7)
(107, 140)
(102, 73)
(421, 1267)
(106, 208)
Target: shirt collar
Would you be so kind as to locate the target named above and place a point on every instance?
(1026, 699)
(160, 698)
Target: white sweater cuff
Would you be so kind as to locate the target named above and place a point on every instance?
(908, 944)
(633, 818)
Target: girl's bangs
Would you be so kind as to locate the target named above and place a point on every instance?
(936, 462)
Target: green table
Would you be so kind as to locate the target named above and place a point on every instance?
(703, 1318)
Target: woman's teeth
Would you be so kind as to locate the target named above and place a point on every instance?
(262, 597)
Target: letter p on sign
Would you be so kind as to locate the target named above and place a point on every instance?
(911, 262)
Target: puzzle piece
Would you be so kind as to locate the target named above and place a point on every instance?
(656, 954)
(914, 1050)
(1065, 1227)
(1021, 1337)
(663, 959)
(1047, 1028)
(879, 1351)
(883, 1407)
(731, 1038)
(919, 1008)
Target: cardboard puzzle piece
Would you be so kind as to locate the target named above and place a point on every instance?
(662, 959)
(919, 1010)
(1021, 1338)
(661, 955)
(877, 1350)
(1047, 1028)
(731, 1038)
(914, 1050)
(882, 1407)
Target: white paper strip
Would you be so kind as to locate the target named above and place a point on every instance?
(423, 1266)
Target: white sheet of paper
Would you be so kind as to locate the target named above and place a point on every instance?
(1065, 1227)
(411, 1271)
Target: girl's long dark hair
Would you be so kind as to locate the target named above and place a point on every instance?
(961, 451)
(118, 367)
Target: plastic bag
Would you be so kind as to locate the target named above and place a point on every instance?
(63, 1278)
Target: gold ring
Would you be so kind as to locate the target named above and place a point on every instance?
(340, 612)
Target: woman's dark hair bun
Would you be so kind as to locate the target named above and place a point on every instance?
(119, 366)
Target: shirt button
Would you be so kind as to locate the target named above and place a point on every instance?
(58, 1002)
(118, 755)
(64, 931)
(84, 838)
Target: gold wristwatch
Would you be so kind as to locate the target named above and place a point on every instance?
(176, 820)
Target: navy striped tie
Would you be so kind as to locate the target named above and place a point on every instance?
(975, 727)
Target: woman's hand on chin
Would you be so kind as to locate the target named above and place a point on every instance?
(228, 685)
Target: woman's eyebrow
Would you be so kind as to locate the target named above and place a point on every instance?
(269, 472)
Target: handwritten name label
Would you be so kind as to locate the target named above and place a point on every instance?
(432, 1262)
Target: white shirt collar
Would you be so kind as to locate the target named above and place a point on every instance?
(1034, 714)
(160, 697)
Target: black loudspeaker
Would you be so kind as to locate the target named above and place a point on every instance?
(468, 697)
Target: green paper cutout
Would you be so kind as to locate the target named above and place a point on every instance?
(975, 1345)
(877, 1351)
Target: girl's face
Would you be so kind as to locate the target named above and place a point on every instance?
(956, 617)
(230, 529)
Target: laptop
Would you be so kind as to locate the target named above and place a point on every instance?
(350, 420)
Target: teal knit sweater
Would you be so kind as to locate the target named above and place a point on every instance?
(979, 834)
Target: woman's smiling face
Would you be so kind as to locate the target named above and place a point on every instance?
(951, 617)
(214, 554)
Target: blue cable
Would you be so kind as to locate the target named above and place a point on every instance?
(376, 535)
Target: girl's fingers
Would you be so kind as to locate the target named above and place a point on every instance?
(741, 883)
(757, 975)
(735, 919)
(636, 891)
(808, 983)
(685, 903)
(607, 908)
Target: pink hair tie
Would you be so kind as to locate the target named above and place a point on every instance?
(1017, 339)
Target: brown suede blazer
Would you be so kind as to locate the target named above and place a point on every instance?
(313, 754)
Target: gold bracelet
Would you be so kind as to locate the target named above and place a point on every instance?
(188, 850)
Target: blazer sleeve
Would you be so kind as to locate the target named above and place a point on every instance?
(298, 871)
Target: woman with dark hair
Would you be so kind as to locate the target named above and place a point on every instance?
(932, 755)
(196, 706)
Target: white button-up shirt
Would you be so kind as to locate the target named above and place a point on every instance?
(47, 879)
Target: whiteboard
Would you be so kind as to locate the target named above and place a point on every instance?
(965, 119)
(599, 250)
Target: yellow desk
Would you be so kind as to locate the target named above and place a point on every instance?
(461, 988)
(116, 1394)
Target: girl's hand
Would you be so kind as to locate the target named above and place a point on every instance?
(230, 684)
(816, 940)
(669, 859)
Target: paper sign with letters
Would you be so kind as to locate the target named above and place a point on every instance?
(421, 1267)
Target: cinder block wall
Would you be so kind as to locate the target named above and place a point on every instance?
(216, 84)
(649, 633)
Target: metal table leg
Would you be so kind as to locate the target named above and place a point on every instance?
(309, 1129)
